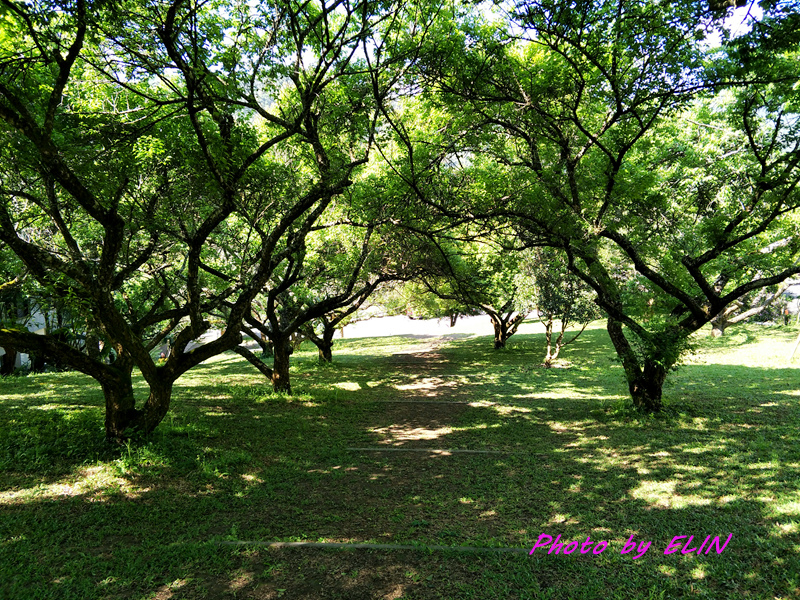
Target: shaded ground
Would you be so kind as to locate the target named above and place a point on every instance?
(232, 462)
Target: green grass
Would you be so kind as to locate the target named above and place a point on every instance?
(83, 519)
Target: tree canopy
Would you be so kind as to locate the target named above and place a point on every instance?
(168, 165)
(660, 167)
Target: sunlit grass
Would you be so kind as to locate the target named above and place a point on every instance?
(83, 519)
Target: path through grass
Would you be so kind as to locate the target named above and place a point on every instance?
(233, 462)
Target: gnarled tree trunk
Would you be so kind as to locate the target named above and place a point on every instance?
(325, 346)
(646, 387)
(280, 365)
(718, 327)
(552, 353)
(120, 401)
(646, 380)
(121, 411)
(554, 349)
(500, 333)
(504, 326)
(155, 408)
(323, 342)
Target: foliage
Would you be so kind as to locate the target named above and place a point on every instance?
(660, 178)
(480, 276)
(173, 161)
(556, 295)
(165, 166)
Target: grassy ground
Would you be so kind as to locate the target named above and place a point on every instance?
(80, 519)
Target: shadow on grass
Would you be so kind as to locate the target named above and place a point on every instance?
(149, 526)
(140, 521)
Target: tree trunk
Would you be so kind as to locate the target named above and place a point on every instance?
(504, 325)
(718, 325)
(500, 331)
(644, 383)
(120, 404)
(500, 337)
(646, 388)
(121, 411)
(280, 367)
(325, 354)
(156, 407)
(553, 350)
(548, 335)
(7, 361)
(453, 319)
(325, 345)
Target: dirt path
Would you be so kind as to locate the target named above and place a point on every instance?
(428, 404)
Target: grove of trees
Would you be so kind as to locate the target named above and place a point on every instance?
(266, 167)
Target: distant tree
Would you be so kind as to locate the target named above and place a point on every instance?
(479, 276)
(339, 269)
(413, 299)
(556, 295)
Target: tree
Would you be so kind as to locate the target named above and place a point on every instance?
(79, 235)
(591, 115)
(481, 277)
(556, 295)
(412, 298)
(151, 140)
(343, 265)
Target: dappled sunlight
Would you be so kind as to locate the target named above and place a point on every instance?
(59, 407)
(425, 383)
(332, 469)
(786, 529)
(350, 386)
(430, 386)
(789, 508)
(398, 434)
(561, 519)
(662, 494)
(241, 581)
(559, 427)
(97, 484)
(506, 410)
(708, 448)
(363, 453)
(667, 570)
(567, 392)
(762, 466)
(167, 591)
